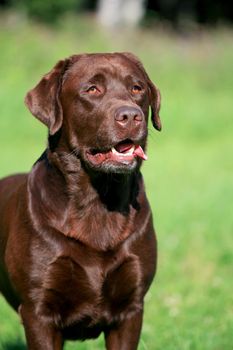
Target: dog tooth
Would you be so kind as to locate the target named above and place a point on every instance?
(126, 154)
(114, 150)
(131, 150)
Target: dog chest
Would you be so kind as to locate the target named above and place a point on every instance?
(103, 292)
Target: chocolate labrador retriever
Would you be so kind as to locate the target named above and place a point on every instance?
(77, 245)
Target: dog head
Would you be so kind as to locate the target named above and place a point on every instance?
(98, 104)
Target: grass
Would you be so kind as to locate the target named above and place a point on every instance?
(188, 175)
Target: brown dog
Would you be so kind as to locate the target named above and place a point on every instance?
(77, 244)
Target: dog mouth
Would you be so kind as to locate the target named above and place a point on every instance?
(123, 152)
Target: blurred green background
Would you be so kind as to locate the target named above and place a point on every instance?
(188, 174)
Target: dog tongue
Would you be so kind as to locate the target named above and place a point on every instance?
(123, 147)
(139, 152)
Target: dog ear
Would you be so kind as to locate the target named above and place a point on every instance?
(43, 100)
(155, 97)
(155, 100)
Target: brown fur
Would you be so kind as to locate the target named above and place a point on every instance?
(77, 245)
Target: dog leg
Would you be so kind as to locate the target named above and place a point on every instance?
(39, 335)
(126, 335)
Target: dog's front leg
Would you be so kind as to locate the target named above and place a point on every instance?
(126, 335)
(39, 335)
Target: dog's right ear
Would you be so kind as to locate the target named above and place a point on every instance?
(43, 100)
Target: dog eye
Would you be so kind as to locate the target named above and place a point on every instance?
(136, 89)
(92, 90)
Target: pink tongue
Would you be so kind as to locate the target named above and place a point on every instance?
(123, 147)
(139, 152)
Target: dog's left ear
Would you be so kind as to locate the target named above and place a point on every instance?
(155, 101)
(43, 101)
(155, 97)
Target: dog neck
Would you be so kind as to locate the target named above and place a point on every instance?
(78, 199)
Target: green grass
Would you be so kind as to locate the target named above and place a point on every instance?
(188, 175)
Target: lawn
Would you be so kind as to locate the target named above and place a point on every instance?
(189, 173)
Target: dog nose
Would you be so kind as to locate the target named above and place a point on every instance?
(126, 115)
